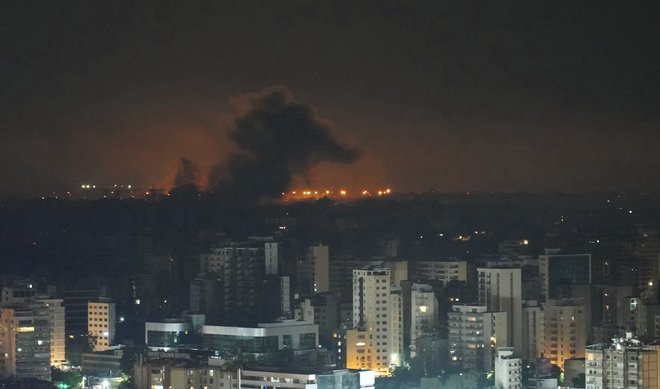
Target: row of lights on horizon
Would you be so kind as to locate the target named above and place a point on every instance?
(88, 186)
(342, 192)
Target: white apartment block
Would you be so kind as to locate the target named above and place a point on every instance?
(624, 364)
(508, 369)
(371, 320)
(474, 333)
(101, 322)
(441, 271)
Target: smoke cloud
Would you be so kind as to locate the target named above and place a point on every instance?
(277, 138)
(187, 175)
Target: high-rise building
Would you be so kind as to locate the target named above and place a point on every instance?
(320, 309)
(341, 281)
(26, 292)
(565, 330)
(508, 369)
(398, 270)
(284, 300)
(474, 333)
(25, 341)
(101, 322)
(443, 271)
(212, 261)
(625, 363)
(56, 319)
(75, 299)
(611, 305)
(314, 270)
(275, 303)
(423, 313)
(272, 258)
(500, 290)
(368, 345)
(395, 340)
(647, 260)
(339, 344)
(533, 330)
(644, 317)
(559, 271)
(206, 296)
(238, 270)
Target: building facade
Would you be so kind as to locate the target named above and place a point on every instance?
(368, 343)
(336, 379)
(57, 320)
(557, 270)
(508, 369)
(444, 271)
(625, 363)
(183, 373)
(474, 333)
(423, 313)
(533, 330)
(25, 341)
(101, 324)
(500, 290)
(262, 341)
(314, 270)
(565, 334)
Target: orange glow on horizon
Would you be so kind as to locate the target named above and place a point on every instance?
(311, 194)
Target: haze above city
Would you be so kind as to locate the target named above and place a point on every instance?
(443, 95)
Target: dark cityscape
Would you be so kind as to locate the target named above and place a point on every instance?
(329, 195)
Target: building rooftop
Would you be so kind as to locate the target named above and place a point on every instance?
(620, 344)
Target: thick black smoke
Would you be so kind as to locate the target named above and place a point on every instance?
(277, 138)
(187, 175)
(186, 180)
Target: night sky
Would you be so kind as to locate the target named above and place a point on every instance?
(445, 95)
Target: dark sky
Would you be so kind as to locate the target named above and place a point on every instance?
(447, 95)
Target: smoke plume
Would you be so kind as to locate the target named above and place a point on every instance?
(187, 175)
(277, 138)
